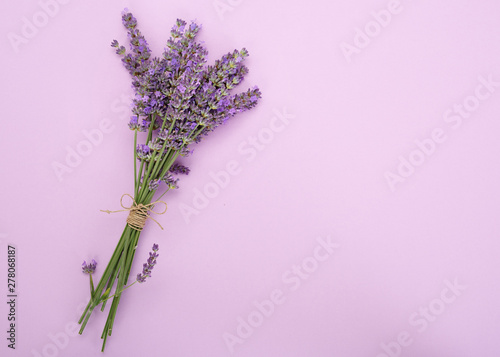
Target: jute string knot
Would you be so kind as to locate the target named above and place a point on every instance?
(138, 213)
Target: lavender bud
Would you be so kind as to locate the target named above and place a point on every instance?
(89, 268)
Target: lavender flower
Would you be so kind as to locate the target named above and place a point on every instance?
(148, 267)
(154, 184)
(143, 152)
(120, 50)
(89, 268)
(179, 89)
(137, 62)
(171, 182)
(134, 123)
(179, 169)
(155, 145)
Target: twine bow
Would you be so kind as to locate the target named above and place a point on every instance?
(138, 213)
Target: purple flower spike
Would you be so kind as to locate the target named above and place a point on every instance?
(143, 152)
(171, 182)
(89, 268)
(154, 184)
(179, 169)
(148, 267)
(134, 124)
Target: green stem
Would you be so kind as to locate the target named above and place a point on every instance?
(111, 282)
(157, 166)
(131, 254)
(125, 265)
(154, 165)
(135, 162)
(91, 287)
(144, 181)
(120, 263)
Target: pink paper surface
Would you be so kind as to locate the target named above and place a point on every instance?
(352, 213)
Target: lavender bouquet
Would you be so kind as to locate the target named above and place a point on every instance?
(178, 100)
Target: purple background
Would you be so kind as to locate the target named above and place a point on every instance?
(391, 150)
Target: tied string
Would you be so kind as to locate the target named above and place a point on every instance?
(138, 213)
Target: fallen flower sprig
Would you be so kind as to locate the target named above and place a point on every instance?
(178, 101)
(90, 269)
